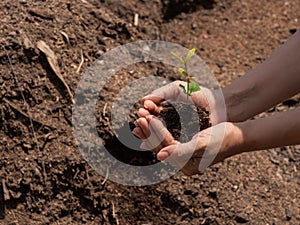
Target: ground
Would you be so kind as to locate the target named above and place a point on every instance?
(45, 179)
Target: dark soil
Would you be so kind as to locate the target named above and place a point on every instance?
(43, 176)
(187, 115)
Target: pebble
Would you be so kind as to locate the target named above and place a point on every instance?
(288, 214)
(235, 187)
(12, 34)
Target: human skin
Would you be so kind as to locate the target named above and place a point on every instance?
(278, 130)
(275, 80)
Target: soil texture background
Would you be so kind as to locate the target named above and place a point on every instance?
(43, 176)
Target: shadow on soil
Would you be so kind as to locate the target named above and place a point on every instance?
(172, 8)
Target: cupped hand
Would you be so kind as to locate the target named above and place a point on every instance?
(211, 100)
(206, 148)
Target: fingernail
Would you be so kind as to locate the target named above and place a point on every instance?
(146, 107)
(149, 117)
(162, 156)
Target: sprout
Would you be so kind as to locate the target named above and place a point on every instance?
(191, 85)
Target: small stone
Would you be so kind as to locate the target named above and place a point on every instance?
(99, 53)
(14, 94)
(12, 34)
(241, 218)
(27, 146)
(288, 214)
(293, 30)
(235, 187)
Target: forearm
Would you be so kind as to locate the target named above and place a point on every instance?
(279, 130)
(275, 80)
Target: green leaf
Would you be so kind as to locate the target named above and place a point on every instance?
(178, 57)
(190, 54)
(182, 71)
(183, 88)
(193, 87)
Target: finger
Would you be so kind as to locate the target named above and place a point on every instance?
(177, 155)
(203, 97)
(154, 98)
(163, 135)
(185, 162)
(137, 131)
(165, 152)
(171, 93)
(152, 107)
(160, 136)
(146, 145)
(159, 95)
(150, 140)
(143, 112)
(143, 124)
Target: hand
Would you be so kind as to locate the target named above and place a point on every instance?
(208, 147)
(212, 101)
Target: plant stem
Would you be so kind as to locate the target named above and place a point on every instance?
(187, 80)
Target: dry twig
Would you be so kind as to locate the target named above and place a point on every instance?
(104, 109)
(41, 13)
(81, 63)
(106, 177)
(52, 60)
(136, 20)
(64, 34)
(16, 108)
(5, 191)
(114, 213)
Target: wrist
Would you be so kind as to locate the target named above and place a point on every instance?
(234, 138)
(278, 130)
(249, 139)
(240, 99)
(232, 142)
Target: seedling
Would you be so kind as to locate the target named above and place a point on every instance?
(191, 85)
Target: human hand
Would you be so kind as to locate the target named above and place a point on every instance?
(208, 147)
(211, 100)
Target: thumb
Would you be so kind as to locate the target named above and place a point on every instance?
(161, 94)
(164, 153)
(177, 154)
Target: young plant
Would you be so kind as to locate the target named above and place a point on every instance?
(191, 85)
